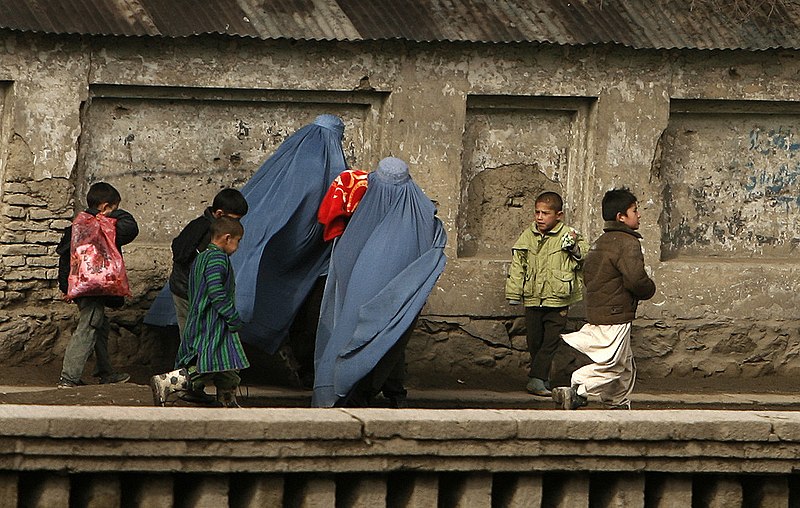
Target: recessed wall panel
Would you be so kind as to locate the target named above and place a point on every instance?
(731, 182)
(169, 156)
(514, 149)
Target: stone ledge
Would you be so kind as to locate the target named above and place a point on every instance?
(84, 439)
(420, 424)
(170, 423)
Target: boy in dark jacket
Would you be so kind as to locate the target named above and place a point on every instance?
(92, 330)
(616, 280)
(210, 351)
(192, 240)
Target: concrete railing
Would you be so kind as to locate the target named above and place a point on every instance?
(151, 457)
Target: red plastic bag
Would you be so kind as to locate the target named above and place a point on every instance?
(96, 265)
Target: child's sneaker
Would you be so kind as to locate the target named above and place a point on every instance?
(227, 398)
(163, 385)
(538, 387)
(66, 383)
(568, 398)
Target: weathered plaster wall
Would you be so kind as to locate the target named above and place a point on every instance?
(707, 140)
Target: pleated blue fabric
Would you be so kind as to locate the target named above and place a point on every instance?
(162, 310)
(282, 252)
(382, 270)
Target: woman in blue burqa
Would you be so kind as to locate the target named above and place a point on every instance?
(282, 259)
(382, 270)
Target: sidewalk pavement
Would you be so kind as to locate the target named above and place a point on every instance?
(131, 394)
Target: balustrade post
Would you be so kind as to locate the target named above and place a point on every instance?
(9, 490)
(364, 491)
(49, 490)
(673, 491)
(153, 491)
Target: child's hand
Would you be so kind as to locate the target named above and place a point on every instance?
(568, 240)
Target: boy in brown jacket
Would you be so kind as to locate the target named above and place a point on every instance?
(615, 280)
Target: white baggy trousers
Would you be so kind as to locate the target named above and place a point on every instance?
(613, 373)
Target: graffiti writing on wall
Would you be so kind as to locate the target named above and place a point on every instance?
(731, 186)
(775, 166)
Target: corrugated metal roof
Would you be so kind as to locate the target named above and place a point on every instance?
(659, 24)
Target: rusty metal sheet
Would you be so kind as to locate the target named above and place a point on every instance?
(658, 24)
(96, 17)
(181, 18)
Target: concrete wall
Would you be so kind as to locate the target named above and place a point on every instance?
(707, 140)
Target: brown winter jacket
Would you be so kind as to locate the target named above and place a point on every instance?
(615, 277)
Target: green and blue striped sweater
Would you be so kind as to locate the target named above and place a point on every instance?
(210, 339)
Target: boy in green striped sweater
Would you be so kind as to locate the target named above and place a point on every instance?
(210, 350)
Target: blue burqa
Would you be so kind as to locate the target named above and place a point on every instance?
(381, 272)
(282, 252)
(162, 311)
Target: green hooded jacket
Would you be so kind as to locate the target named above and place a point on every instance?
(542, 273)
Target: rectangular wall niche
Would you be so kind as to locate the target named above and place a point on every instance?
(169, 150)
(514, 149)
(731, 180)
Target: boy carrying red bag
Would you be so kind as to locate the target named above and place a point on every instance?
(91, 273)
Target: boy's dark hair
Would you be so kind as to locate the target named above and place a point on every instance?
(617, 201)
(552, 199)
(100, 193)
(226, 226)
(230, 201)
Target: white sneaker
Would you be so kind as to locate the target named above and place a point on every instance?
(163, 385)
(568, 398)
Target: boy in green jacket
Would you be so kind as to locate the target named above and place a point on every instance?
(545, 275)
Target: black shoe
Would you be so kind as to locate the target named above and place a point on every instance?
(116, 377)
(397, 402)
(198, 397)
(66, 383)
